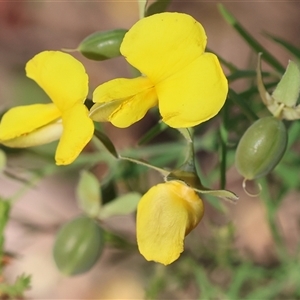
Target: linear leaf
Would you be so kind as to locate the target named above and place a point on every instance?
(252, 42)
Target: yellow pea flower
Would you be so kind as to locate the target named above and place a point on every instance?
(65, 81)
(165, 215)
(186, 83)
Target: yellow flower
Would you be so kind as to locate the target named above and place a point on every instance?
(186, 83)
(165, 215)
(65, 81)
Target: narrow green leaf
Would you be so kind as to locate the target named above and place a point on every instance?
(89, 194)
(122, 205)
(240, 74)
(252, 90)
(107, 143)
(240, 101)
(223, 194)
(194, 182)
(157, 7)
(240, 276)
(231, 67)
(252, 42)
(264, 95)
(118, 241)
(223, 153)
(294, 133)
(187, 133)
(5, 207)
(208, 290)
(153, 132)
(291, 48)
(289, 175)
(17, 289)
(267, 291)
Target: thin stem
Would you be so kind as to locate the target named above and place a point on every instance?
(32, 181)
(161, 171)
(271, 217)
(240, 101)
(223, 149)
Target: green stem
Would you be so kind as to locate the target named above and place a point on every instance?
(223, 155)
(224, 142)
(32, 181)
(271, 210)
(4, 217)
(161, 171)
(240, 101)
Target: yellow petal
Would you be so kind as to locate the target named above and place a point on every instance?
(133, 109)
(123, 101)
(78, 131)
(61, 76)
(22, 120)
(163, 43)
(165, 214)
(43, 135)
(193, 95)
(121, 88)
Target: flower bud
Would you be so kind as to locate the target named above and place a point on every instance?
(102, 45)
(78, 245)
(261, 148)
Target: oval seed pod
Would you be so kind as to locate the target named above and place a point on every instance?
(78, 245)
(261, 148)
(102, 45)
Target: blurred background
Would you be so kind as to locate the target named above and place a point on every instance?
(27, 28)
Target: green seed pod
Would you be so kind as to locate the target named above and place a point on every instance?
(102, 45)
(78, 245)
(261, 148)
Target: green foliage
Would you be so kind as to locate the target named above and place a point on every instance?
(102, 45)
(210, 265)
(122, 205)
(287, 90)
(288, 46)
(157, 7)
(88, 194)
(250, 40)
(78, 246)
(5, 207)
(22, 282)
(16, 290)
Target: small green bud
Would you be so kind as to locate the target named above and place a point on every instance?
(287, 90)
(282, 103)
(102, 45)
(261, 148)
(78, 245)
